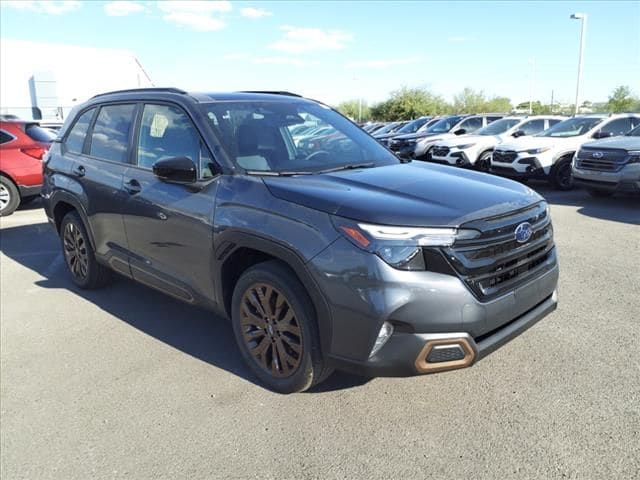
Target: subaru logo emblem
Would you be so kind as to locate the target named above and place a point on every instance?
(597, 154)
(523, 232)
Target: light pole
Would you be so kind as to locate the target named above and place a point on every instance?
(583, 28)
(532, 62)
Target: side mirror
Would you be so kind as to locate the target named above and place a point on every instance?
(601, 134)
(460, 131)
(176, 170)
(518, 133)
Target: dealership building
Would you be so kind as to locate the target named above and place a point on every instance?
(43, 81)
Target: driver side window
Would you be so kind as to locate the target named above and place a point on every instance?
(165, 132)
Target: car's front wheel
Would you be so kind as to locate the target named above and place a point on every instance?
(274, 323)
(483, 164)
(561, 176)
(9, 197)
(79, 255)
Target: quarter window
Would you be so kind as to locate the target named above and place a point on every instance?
(167, 132)
(110, 136)
(75, 139)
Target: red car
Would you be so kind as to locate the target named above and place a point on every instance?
(22, 146)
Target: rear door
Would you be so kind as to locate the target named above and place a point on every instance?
(101, 159)
(169, 226)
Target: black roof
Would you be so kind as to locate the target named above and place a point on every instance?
(204, 96)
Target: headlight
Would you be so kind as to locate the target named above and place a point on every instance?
(466, 145)
(535, 151)
(400, 247)
(634, 156)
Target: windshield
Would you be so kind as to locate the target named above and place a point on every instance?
(386, 128)
(412, 127)
(499, 126)
(444, 125)
(634, 133)
(258, 137)
(572, 127)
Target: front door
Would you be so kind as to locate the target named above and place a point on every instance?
(170, 226)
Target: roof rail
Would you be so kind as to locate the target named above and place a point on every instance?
(143, 90)
(272, 92)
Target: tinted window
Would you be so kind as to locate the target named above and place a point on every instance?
(40, 134)
(75, 138)
(166, 132)
(492, 119)
(635, 132)
(532, 127)
(498, 127)
(110, 136)
(5, 137)
(553, 121)
(413, 126)
(618, 127)
(471, 124)
(443, 125)
(572, 127)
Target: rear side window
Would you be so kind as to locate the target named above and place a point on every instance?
(553, 121)
(75, 139)
(532, 127)
(5, 137)
(110, 136)
(39, 134)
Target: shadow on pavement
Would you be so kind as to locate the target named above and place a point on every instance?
(617, 208)
(192, 330)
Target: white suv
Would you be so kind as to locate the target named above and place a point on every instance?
(548, 155)
(475, 150)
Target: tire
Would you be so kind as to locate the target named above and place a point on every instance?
(79, 255)
(560, 176)
(272, 313)
(483, 163)
(595, 192)
(9, 197)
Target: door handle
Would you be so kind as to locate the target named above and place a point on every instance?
(132, 186)
(78, 171)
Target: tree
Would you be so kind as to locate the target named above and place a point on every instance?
(621, 100)
(407, 103)
(351, 109)
(472, 101)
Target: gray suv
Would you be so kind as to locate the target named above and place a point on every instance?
(609, 165)
(334, 254)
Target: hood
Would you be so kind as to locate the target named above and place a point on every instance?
(411, 194)
(626, 142)
(464, 139)
(528, 143)
(416, 135)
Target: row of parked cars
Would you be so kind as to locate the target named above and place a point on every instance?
(600, 152)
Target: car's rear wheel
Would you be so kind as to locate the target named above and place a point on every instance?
(596, 192)
(275, 326)
(79, 255)
(9, 197)
(561, 176)
(483, 164)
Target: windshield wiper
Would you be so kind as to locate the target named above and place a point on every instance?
(352, 166)
(271, 173)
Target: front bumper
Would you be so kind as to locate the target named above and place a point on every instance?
(422, 305)
(627, 180)
(406, 354)
(456, 158)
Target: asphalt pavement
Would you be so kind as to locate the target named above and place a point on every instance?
(124, 382)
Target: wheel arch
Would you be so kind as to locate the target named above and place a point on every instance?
(238, 251)
(61, 204)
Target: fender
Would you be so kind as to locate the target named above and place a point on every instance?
(558, 156)
(62, 196)
(230, 240)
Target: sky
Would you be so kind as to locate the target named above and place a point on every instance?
(336, 51)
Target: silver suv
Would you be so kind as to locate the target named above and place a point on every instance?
(609, 165)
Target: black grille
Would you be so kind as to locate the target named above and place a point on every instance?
(602, 160)
(440, 151)
(495, 262)
(504, 156)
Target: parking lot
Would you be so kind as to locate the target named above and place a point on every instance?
(127, 383)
